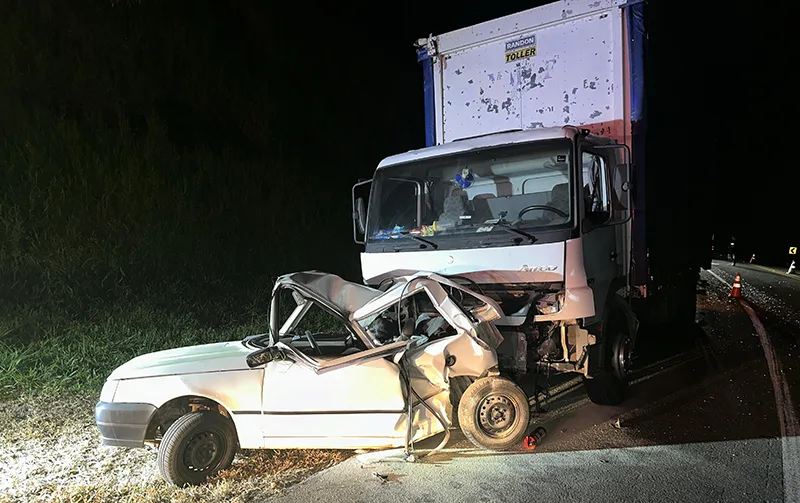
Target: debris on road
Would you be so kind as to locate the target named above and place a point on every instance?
(532, 440)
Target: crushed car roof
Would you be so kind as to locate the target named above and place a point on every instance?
(359, 301)
(343, 294)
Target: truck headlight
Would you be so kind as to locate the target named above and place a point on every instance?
(550, 303)
(108, 391)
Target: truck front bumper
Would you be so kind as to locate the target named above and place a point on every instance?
(123, 424)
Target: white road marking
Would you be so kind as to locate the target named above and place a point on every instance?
(787, 418)
(790, 428)
(717, 276)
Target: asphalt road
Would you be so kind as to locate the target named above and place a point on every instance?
(775, 298)
(711, 417)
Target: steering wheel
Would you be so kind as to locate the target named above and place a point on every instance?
(313, 342)
(540, 207)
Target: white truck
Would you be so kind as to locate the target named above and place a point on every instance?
(524, 192)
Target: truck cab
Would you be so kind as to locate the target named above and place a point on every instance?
(509, 208)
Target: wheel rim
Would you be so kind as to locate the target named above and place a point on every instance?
(203, 451)
(496, 415)
(622, 356)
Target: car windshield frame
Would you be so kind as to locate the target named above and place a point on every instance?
(498, 179)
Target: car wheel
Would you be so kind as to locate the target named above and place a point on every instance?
(195, 447)
(494, 413)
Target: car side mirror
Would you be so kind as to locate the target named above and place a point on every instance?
(260, 357)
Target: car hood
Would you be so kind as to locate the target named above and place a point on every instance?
(216, 357)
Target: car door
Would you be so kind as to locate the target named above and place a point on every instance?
(358, 404)
(345, 400)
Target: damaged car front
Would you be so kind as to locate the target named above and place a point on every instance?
(402, 348)
(342, 366)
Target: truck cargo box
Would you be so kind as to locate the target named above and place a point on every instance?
(562, 63)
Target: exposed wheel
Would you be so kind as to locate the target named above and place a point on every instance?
(494, 413)
(458, 385)
(610, 385)
(195, 447)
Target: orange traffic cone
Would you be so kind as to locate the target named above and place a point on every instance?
(736, 291)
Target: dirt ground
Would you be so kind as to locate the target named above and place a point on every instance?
(50, 452)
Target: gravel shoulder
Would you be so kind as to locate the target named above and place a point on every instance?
(50, 451)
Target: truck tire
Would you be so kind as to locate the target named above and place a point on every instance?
(195, 447)
(609, 386)
(494, 414)
(458, 385)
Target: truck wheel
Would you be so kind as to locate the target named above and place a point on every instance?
(610, 385)
(494, 413)
(458, 385)
(195, 447)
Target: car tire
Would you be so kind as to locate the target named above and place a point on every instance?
(494, 414)
(195, 447)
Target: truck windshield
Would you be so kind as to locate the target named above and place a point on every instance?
(524, 186)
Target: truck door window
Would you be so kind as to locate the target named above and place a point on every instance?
(596, 196)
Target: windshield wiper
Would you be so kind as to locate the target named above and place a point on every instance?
(421, 240)
(506, 226)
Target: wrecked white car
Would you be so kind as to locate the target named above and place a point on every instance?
(342, 366)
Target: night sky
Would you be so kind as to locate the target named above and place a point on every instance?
(269, 113)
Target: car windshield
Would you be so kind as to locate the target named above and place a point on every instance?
(526, 186)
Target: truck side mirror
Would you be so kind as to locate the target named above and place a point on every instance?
(360, 215)
(359, 191)
(620, 183)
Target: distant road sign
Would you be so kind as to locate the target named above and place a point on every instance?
(793, 250)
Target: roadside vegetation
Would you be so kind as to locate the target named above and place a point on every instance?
(147, 201)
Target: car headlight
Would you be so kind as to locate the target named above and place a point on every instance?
(108, 391)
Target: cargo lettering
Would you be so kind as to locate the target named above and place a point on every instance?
(520, 48)
(521, 43)
(520, 54)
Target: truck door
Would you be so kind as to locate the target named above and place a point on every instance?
(603, 215)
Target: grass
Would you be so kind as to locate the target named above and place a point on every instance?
(128, 166)
(48, 350)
